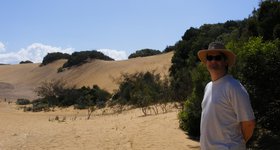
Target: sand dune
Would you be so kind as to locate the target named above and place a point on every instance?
(25, 77)
(127, 131)
(68, 128)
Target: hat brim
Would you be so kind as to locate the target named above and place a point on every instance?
(229, 54)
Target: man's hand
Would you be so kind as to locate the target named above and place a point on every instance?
(247, 128)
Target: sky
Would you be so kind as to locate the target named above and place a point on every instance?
(29, 29)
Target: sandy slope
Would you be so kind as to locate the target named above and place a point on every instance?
(21, 79)
(126, 131)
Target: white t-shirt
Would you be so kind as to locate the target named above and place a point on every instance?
(225, 104)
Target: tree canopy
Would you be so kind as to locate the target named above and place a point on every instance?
(144, 53)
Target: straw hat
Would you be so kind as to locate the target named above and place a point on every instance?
(217, 47)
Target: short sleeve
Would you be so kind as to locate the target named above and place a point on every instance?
(241, 103)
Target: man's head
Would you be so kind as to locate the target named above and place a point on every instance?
(217, 49)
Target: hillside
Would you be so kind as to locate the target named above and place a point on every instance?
(19, 81)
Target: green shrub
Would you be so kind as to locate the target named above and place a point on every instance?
(144, 53)
(259, 67)
(189, 117)
(56, 93)
(79, 58)
(141, 90)
(51, 57)
(22, 102)
(26, 62)
(100, 96)
(92, 97)
(40, 105)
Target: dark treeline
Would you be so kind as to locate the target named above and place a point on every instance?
(51, 57)
(139, 90)
(79, 58)
(75, 59)
(144, 53)
(56, 93)
(26, 62)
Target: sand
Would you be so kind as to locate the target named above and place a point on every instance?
(19, 81)
(129, 130)
(70, 129)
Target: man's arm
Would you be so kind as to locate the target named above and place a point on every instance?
(247, 128)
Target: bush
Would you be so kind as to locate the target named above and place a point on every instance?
(52, 88)
(189, 117)
(142, 90)
(40, 105)
(25, 62)
(51, 57)
(100, 96)
(260, 67)
(92, 97)
(22, 102)
(56, 93)
(169, 49)
(79, 58)
(144, 53)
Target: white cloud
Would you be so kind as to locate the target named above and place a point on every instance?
(115, 54)
(34, 52)
(2, 47)
(37, 51)
(8, 58)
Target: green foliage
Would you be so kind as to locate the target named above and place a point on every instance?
(40, 105)
(144, 53)
(51, 88)
(92, 97)
(79, 58)
(51, 57)
(268, 18)
(189, 117)
(26, 62)
(22, 101)
(185, 58)
(141, 90)
(260, 73)
(258, 68)
(168, 49)
(276, 32)
(56, 93)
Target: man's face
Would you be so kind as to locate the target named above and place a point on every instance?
(215, 62)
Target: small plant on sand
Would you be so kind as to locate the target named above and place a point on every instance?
(90, 110)
(22, 101)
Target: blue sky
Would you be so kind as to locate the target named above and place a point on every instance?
(29, 29)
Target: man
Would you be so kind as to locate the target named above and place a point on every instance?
(227, 119)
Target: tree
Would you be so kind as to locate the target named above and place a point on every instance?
(51, 90)
(276, 32)
(258, 68)
(142, 90)
(25, 62)
(189, 117)
(144, 53)
(51, 57)
(268, 18)
(79, 58)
